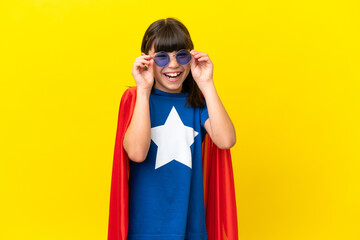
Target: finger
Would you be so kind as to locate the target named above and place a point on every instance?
(139, 66)
(149, 66)
(197, 55)
(194, 63)
(142, 61)
(197, 52)
(147, 57)
(203, 59)
(194, 54)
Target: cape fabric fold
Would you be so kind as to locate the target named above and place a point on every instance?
(219, 189)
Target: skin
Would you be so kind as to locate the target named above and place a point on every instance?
(219, 125)
(161, 82)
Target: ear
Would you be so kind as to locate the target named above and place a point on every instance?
(143, 54)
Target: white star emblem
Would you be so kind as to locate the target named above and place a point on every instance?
(173, 140)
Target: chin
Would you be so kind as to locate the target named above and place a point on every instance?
(169, 86)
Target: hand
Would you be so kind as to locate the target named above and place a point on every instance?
(201, 68)
(144, 79)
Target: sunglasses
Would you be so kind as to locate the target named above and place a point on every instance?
(162, 59)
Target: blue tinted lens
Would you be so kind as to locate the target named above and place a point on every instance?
(161, 59)
(183, 57)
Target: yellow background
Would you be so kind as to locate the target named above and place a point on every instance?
(287, 72)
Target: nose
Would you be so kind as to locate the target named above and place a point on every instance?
(173, 63)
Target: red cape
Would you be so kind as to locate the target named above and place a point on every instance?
(219, 191)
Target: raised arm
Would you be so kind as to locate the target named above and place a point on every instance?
(219, 125)
(137, 137)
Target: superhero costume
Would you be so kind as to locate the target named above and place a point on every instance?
(219, 193)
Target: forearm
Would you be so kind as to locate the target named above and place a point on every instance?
(137, 137)
(222, 128)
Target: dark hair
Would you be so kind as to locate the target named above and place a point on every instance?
(171, 35)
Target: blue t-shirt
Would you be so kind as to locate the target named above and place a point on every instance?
(166, 196)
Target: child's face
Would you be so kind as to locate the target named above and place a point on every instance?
(164, 83)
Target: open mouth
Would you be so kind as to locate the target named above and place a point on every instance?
(173, 76)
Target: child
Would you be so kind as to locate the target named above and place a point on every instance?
(157, 183)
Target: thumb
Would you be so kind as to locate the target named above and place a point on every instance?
(151, 65)
(192, 63)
